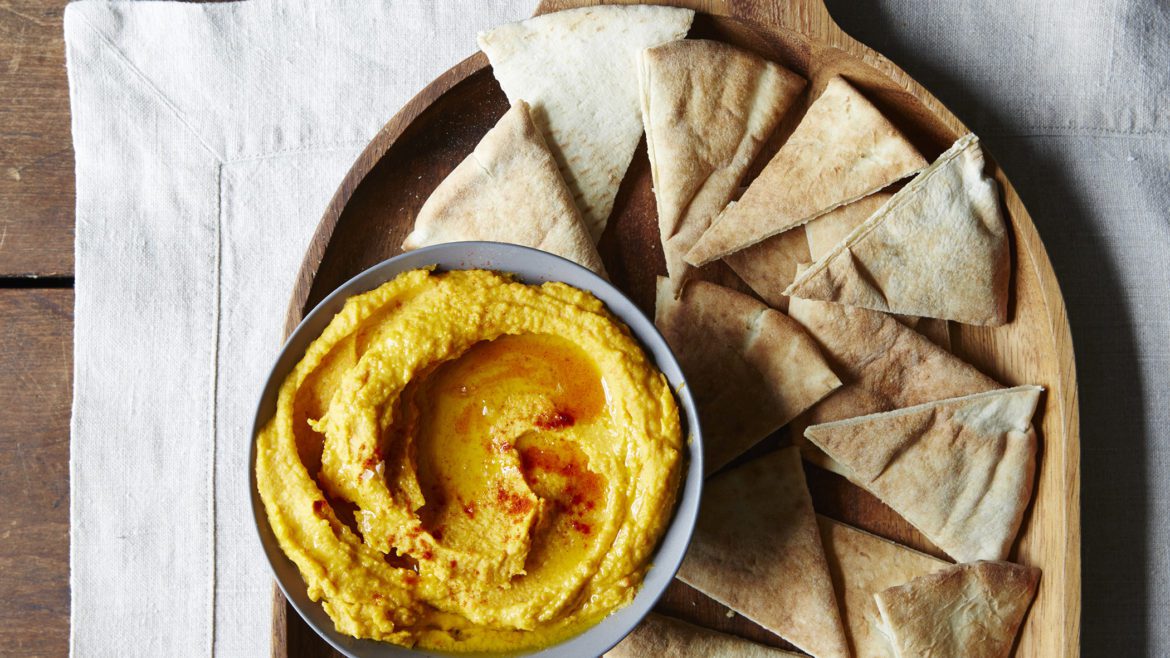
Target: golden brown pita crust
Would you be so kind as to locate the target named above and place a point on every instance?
(937, 249)
(862, 565)
(843, 150)
(507, 190)
(707, 107)
(770, 266)
(757, 550)
(824, 232)
(750, 368)
(665, 637)
(960, 470)
(578, 70)
(972, 610)
(883, 365)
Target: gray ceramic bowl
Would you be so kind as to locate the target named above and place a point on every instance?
(530, 266)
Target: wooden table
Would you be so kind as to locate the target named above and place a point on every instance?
(36, 329)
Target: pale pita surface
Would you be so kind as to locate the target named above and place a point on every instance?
(751, 369)
(972, 610)
(937, 249)
(757, 550)
(665, 637)
(578, 70)
(825, 232)
(960, 470)
(863, 565)
(843, 150)
(507, 190)
(883, 365)
(707, 108)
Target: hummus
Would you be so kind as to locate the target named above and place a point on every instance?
(466, 463)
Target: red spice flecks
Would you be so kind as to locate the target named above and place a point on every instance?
(582, 528)
(469, 509)
(555, 420)
(411, 578)
(377, 597)
(454, 564)
(428, 555)
(513, 502)
(371, 462)
(319, 507)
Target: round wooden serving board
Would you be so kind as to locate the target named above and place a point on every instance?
(377, 202)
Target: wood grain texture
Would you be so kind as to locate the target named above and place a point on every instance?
(376, 204)
(35, 395)
(36, 159)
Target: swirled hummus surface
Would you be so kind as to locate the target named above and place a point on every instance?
(464, 462)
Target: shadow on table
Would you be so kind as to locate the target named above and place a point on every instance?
(1114, 482)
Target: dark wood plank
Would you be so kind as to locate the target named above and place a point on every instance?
(36, 153)
(35, 391)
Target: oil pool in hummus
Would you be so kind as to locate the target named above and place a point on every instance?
(467, 463)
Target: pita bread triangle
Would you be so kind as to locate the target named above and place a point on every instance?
(972, 610)
(751, 369)
(842, 150)
(960, 470)
(577, 68)
(862, 565)
(507, 190)
(707, 108)
(825, 232)
(937, 249)
(666, 637)
(883, 365)
(769, 266)
(757, 550)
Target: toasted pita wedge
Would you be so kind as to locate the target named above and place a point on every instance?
(862, 565)
(770, 266)
(972, 610)
(707, 108)
(843, 150)
(883, 365)
(824, 232)
(960, 470)
(666, 637)
(937, 249)
(578, 70)
(757, 550)
(938, 331)
(507, 190)
(750, 368)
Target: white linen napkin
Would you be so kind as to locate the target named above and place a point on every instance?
(209, 139)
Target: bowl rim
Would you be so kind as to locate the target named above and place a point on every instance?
(529, 266)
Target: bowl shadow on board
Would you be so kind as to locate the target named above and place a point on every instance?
(1114, 518)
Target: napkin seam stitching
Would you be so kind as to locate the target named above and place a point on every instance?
(154, 90)
(215, 398)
